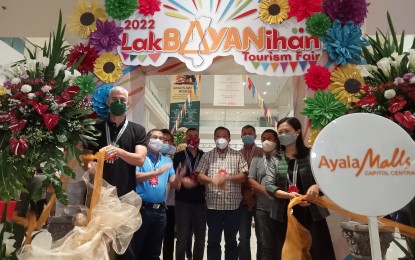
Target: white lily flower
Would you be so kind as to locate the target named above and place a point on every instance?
(75, 74)
(385, 66)
(43, 62)
(58, 67)
(31, 65)
(7, 241)
(412, 80)
(68, 76)
(364, 72)
(411, 59)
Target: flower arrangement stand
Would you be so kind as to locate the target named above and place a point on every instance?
(357, 236)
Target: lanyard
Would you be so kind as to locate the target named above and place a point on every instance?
(153, 165)
(190, 166)
(107, 131)
(295, 172)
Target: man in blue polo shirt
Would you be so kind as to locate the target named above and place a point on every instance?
(152, 180)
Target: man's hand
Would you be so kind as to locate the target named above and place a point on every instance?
(164, 168)
(111, 151)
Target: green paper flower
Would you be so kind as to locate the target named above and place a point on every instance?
(120, 9)
(318, 24)
(86, 83)
(322, 109)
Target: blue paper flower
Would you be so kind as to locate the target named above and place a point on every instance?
(343, 43)
(99, 101)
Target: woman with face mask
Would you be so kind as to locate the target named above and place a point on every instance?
(292, 178)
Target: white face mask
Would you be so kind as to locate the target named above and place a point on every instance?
(221, 143)
(155, 144)
(268, 146)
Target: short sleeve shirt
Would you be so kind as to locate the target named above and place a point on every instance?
(259, 166)
(233, 163)
(120, 174)
(154, 190)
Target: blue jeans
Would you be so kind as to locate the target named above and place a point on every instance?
(190, 217)
(219, 221)
(148, 238)
(245, 234)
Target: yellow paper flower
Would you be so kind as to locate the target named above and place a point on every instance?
(346, 84)
(313, 135)
(2, 91)
(273, 11)
(108, 67)
(83, 21)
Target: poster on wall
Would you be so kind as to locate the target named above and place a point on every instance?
(182, 94)
(228, 91)
(195, 32)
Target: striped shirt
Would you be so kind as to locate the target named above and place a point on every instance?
(210, 164)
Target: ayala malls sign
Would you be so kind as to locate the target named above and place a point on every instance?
(195, 32)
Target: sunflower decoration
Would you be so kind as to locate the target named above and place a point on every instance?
(346, 84)
(273, 11)
(108, 67)
(313, 135)
(83, 20)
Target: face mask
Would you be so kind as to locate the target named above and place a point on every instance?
(248, 139)
(155, 144)
(268, 146)
(118, 107)
(221, 143)
(287, 139)
(172, 150)
(165, 148)
(193, 143)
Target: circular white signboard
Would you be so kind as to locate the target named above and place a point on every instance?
(365, 163)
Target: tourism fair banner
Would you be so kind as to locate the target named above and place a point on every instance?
(195, 32)
(184, 101)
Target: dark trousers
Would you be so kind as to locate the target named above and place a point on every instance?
(168, 242)
(272, 235)
(147, 241)
(188, 217)
(219, 221)
(245, 234)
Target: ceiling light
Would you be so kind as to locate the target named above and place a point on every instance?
(268, 83)
(223, 112)
(264, 93)
(244, 83)
(253, 112)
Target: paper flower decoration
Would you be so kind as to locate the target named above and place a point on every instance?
(346, 10)
(106, 36)
(318, 24)
(76, 52)
(108, 67)
(120, 9)
(274, 11)
(99, 102)
(322, 109)
(148, 7)
(317, 77)
(86, 83)
(304, 8)
(82, 22)
(343, 43)
(347, 84)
